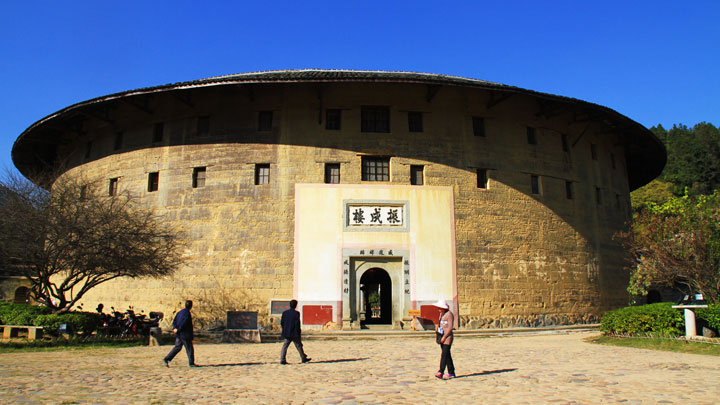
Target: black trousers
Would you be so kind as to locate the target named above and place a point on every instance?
(298, 346)
(446, 359)
(179, 343)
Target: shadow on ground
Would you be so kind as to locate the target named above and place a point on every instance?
(230, 364)
(258, 364)
(340, 360)
(504, 370)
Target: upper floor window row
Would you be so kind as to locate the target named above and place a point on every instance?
(375, 119)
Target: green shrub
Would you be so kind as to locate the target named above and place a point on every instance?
(20, 314)
(659, 318)
(86, 322)
(711, 315)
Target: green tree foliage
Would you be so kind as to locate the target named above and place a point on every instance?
(656, 192)
(374, 299)
(693, 158)
(677, 244)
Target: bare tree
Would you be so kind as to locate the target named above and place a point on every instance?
(76, 237)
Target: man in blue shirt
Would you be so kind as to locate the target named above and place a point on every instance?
(183, 330)
(290, 322)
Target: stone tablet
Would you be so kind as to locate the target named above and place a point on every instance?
(241, 320)
(277, 307)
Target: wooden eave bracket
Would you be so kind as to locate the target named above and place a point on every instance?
(250, 91)
(320, 104)
(141, 102)
(575, 142)
(185, 97)
(584, 117)
(497, 98)
(550, 109)
(76, 124)
(432, 90)
(102, 114)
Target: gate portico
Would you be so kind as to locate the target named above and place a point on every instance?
(396, 239)
(359, 268)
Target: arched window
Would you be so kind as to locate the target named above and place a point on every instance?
(22, 295)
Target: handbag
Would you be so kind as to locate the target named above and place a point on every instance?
(438, 337)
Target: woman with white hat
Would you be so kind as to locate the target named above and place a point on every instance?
(444, 338)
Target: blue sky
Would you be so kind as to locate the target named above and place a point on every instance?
(653, 61)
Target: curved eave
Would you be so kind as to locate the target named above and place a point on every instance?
(34, 149)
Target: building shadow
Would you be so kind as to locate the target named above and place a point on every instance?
(504, 370)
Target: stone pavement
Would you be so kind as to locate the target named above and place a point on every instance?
(557, 368)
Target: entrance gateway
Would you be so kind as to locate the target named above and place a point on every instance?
(368, 254)
(381, 273)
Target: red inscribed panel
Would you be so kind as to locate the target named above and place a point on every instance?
(316, 314)
(430, 312)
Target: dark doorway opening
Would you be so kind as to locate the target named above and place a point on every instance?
(22, 295)
(376, 288)
(654, 296)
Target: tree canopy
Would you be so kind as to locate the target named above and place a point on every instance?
(70, 240)
(693, 158)
(677, 244)
(675, 236)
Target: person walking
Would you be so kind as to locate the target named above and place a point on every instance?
(290, 322)
(183, 330)
(444, 337)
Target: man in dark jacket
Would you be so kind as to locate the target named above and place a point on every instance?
(290, 322)
(183, 330)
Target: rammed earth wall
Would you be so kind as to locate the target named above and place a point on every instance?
(523, 258)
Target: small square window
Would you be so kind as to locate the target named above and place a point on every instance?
(478, 126)
(153, 181)
(598, 196)
(118, 141)
(332, 173)
(198, 177)
(333, 118)
(531, 138)
(203, 126)
(113, 188)
(565, 145)
(482, 178)
(569, 190)
(262, 173)
(417, 175)
(158, 130)
(265, 121)
(375, 119)
(415, 121)
(593, 151)
(535, 184)
(375, 168)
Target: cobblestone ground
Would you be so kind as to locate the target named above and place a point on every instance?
(560, 368)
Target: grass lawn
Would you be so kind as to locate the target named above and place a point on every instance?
(669, 345)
